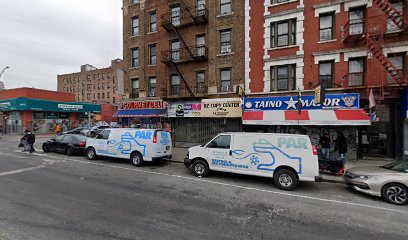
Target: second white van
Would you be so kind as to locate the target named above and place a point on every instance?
(286, 158)
(138, 145)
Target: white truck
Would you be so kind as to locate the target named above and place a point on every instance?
(138, 145)
(285, 157)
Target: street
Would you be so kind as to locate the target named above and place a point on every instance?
(52, 196)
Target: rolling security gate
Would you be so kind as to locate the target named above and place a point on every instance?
(202, 130)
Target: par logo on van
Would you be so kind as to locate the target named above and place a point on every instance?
(143, 135)
(292, 142)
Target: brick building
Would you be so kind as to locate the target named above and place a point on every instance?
(182, 51)
(95, 85)
(348, 47)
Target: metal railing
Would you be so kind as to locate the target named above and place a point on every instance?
(193, 53)
(326, 81)
(353, 80)
(186, 16)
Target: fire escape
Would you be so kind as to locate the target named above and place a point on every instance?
(173, 22)
(358, 30)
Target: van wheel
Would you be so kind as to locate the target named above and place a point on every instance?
(395, 193)
(285, 180)
(136, 159)
(91, 154)
(199, 168)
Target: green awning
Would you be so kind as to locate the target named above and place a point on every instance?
(29, 104)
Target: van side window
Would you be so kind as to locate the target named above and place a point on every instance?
(105, 134)
(223, 141)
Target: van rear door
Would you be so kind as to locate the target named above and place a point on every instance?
(162, 140)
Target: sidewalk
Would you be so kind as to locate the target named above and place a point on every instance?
(17, 137)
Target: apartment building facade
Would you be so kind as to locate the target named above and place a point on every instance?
(181, 52)
(95, 85)
(355, 50)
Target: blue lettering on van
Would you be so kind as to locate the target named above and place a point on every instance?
(165, 138)
(291, 142)
(143, 135)
(224, 163)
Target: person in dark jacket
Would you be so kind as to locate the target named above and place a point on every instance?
(31, 141)
(341, 145)
(325, 145)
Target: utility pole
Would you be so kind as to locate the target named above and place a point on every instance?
(1, 73)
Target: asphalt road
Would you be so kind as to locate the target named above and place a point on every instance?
(51, 196)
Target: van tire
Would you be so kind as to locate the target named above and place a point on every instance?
(136, 159)
(199, 168)
(285, 179)
(91, 153)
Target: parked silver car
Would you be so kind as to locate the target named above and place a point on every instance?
(389, 182)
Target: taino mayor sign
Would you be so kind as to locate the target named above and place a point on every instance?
(221, 108)
(69, 107)
(332, 101)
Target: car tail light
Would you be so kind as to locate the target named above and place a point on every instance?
(82, 144)
(314, 150)
(155, 139)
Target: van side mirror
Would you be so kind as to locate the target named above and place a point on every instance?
(212, 144)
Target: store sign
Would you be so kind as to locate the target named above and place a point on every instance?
(68, 107)
(332, 101)
(186, 109)
(221, 108)
(142, 105)
(4, 105)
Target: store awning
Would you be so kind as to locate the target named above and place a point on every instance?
(341, 117)
(141, 113)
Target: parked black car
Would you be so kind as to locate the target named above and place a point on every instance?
(68, 144)
(78, 130)
(96, 130)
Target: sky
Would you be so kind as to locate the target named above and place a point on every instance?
(42, 38)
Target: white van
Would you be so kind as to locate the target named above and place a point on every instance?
(138, 145)
(285, 157)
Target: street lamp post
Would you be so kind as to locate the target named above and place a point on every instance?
(2, 71)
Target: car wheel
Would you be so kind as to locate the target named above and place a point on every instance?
(45, 148)
(285, 180)
(136, 159)
(69, 151)
(91, 154)
(395, 193)
(199, 168)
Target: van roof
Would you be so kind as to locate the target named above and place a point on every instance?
(255, 133)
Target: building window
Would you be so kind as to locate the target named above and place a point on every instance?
(326, 31)
(135, 26)
(283, 33)
(398, 60)
(225, 7)
(357, 21)
(175, 15)
(152, 86)
(226, 41)
(114, 100)
(135, 88)
(356, 72)
(175, 50)
(103, 95)
(103, 85)
(135, 1)
(94, 86)
(283, 78)
(175, 84)
(152, 22)
(200, 7)
(326, 73)
(152, 54)
(108, 95)
(200, 44)
(99, 96)
(225, 77)
(135, 57)
(391, 26)
(108, 85)
(99, 86)
(200, 78)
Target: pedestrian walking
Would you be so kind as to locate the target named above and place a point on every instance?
(31, 141)
(341, 145)
(325, 145)
(23, 141)
(58, 129)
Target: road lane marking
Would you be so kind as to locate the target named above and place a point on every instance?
(20, 171)
(242, 187)
(12, 155)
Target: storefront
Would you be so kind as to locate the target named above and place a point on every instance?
(405, 117)
(143, 114)
(196, 122)
(41, 116)
(280, 114)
